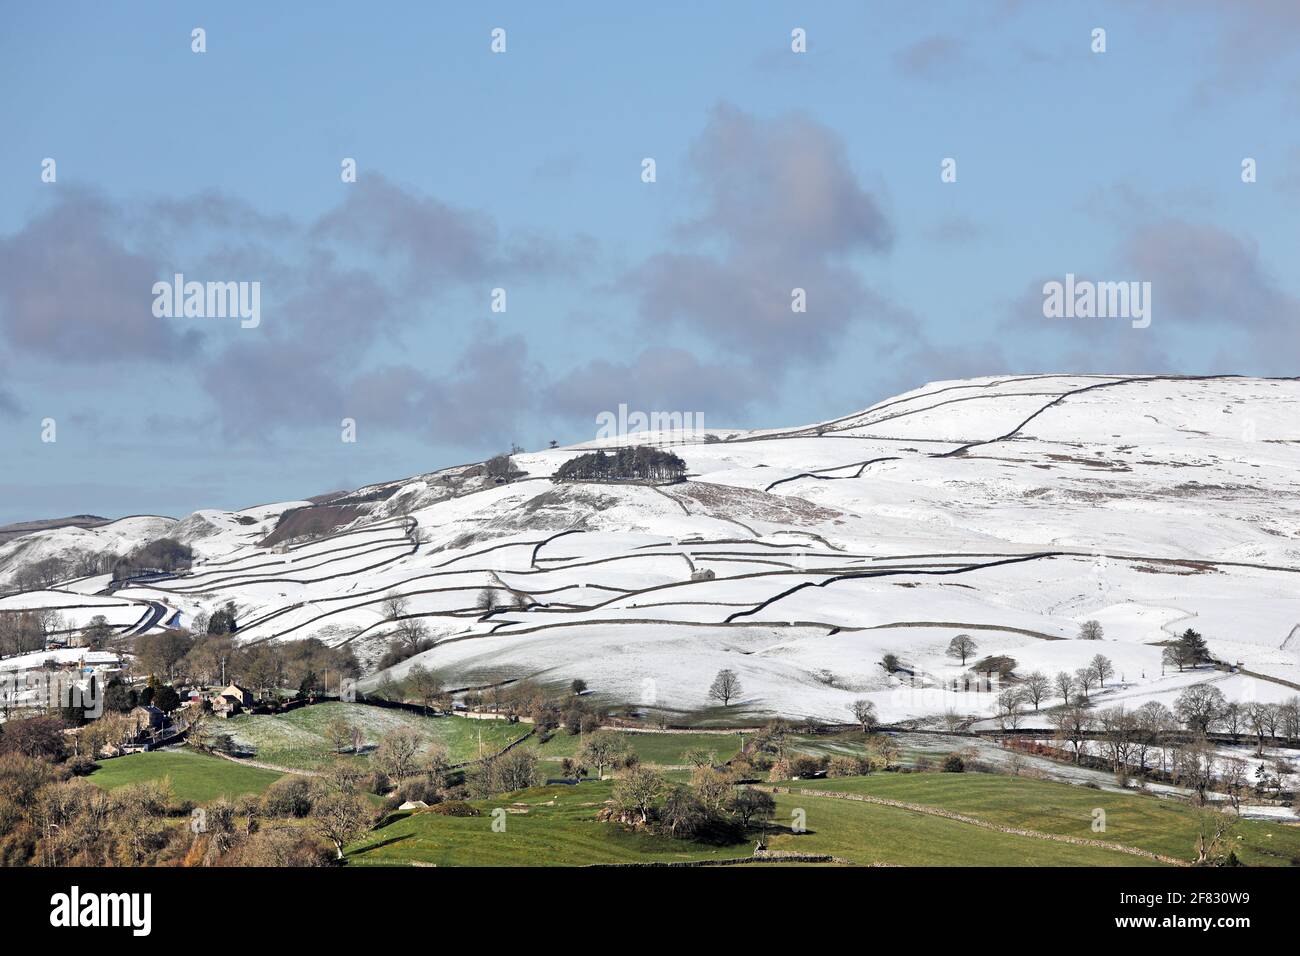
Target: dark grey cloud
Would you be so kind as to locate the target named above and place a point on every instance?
(782, 209)
(1204, 277)
(75, 288)
(782, 186)
(433, 242)
(206, 213)
(1205, 274)
(479, 401)
(339, 294)
(374, 268)
(1206, 282)
(743, 304)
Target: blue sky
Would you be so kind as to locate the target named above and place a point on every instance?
(522, 170)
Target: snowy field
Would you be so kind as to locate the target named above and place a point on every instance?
(1010, 510)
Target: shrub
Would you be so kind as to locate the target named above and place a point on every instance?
(454, 808)
(998, 664)
(573, 722)
(290, 796)
(847, 766)
(81, 765)
(806, 765)
(953, 764)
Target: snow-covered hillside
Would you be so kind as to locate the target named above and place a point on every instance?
(1008, 509)
(69, 544)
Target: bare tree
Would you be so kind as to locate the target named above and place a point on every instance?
(396, 754)
(412, 634)
(1194, 766)
(961, 646)
(1258, 717)
(603, 749)
(393, 606)
(1271, 714)
(1288, 715)
(638, 791)
(886, 748)
(424, 684)
(1009, 704)
(699, 757)
(1037, 687)
(1213, 828)
(1282, 768)
(437, 764)
(1235, 781)
(1234, 719)
(1090, 631)
(1151, 722)
(1085, 678)
(725, 686)
(864, 712)
(1200, 707)
(341, 818)
(1119, 730)
(1102, 667)
(1072, 726)
(339, 732)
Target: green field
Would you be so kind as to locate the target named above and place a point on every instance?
(193, 776)
(1161, 826)
(866, 834)
(297, 740)
(557, 826)
(662, 750)
(545, 826)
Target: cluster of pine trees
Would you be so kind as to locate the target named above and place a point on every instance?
(641, 463)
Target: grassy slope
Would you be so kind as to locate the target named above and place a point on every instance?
(193, 776)
(867, 834)
(1162, 826)
(297, 739)
(659, 749)
(559, 828)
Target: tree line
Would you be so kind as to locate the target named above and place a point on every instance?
(641, 463)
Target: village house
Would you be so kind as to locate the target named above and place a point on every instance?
(148, 720)
(231, 700)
